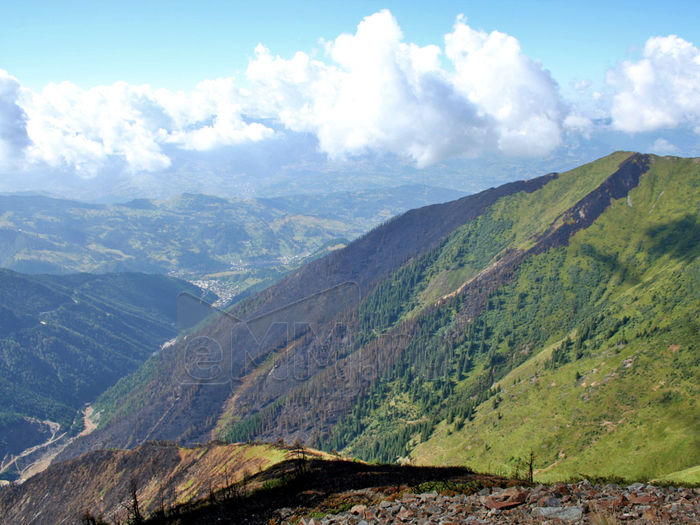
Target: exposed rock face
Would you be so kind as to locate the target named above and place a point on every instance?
(558, 503)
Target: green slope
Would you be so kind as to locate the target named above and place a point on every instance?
(558, 316)
(511, 223)
(624, 288)
(624, 401)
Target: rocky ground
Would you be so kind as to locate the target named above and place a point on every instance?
(559, 503)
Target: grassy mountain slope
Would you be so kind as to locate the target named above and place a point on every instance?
(458, 346)
(593, 271)
(624, 400)
(162, 402)
(68, 338)
(512, 223)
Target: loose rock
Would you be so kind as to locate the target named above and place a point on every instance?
(559, 503)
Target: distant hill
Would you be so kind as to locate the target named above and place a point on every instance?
(66, 339)
(192, 234)
(227, 245)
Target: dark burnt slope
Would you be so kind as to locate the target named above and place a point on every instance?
(376, 254)
(171, 407)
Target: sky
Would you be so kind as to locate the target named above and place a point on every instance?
(123, 89)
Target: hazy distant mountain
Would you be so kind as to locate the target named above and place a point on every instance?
(230, 244)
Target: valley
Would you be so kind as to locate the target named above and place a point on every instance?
(65, 340)
(548, 324)
(230, 247)
(447, 323)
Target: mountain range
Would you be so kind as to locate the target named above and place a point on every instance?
(416, 341)
(549, 324)
(229, 246)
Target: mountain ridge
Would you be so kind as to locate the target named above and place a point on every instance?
(377, 373)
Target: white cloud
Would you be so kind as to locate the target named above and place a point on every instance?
(578, 123)
(661, 90)
(662, 146)
(516, 91)
(90, 130)
(86, 129)
(367, 92)
(13, 121)
(376, 92)
(209, 117)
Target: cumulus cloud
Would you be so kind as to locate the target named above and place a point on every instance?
(506, 84)
(209, 117)
(13, 121)
(580, 124)
(88, 129)
(85, 129)
(377, 92)
(662, 146)
(661, 90)
(367, 92)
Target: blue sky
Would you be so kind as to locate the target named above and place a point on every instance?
(176, 44)
(139, 94)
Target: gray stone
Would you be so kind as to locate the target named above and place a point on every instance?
(484, 492)
(560, 513)
(551, 501)
(636, 486)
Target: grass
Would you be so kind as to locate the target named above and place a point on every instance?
(511, 223)
(632, 412)
(689, 476)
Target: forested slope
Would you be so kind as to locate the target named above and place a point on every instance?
(574, 293)
(68, 338)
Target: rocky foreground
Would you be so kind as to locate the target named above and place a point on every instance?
(559, 503)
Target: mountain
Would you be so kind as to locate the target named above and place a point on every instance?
(65, 340)
(226, 245)
(174, 407)
(556, 316)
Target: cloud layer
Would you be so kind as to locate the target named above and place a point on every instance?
(369, 92)
(13, 122)
(85, 130)
(379, 93)
(662, 90)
